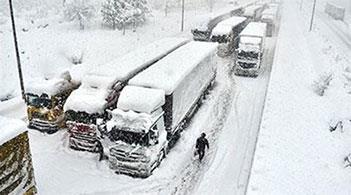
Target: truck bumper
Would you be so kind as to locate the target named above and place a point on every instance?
(44, 126)
(250, 72)
(82, 137)
(134, 169)
(77, 142)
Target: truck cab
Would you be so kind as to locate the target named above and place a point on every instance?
(45, 99)
(250, 50)
(249, 56)
(86, 106)
(136, 131)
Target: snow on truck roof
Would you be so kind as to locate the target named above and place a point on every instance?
(251, 40)
(89, 100)
(226, 26)
(96, 85)
(126, 66)
(270, 11)
(207, 20)
(250, 11)
(51, 86)
(141, 99)
(10, 128)
(254, 29)
(167, 73)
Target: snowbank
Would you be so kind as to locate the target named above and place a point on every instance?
(296, 153)
(167, 73)
(140, 99)
(10, 128)
(14, 108)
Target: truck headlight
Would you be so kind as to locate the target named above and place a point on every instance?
(51, 115)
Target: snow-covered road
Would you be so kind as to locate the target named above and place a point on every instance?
(230, 169)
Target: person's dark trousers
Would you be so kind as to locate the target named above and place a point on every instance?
(101, 153)
(201, 154)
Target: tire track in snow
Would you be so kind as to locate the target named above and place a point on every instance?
(193, 172)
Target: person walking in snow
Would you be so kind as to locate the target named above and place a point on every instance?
(201, 144)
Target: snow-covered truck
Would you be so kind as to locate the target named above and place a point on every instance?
(45, 98)
(155, 107)
(254, 12)
(226, 34)
(17, 174)
(269, 16)
(101, 87)
(250, 51)
(202, 32)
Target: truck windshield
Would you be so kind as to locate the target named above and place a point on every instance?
(36, 101)
(82, 117)
(247, 55)
(129, 137)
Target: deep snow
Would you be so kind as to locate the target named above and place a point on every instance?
(10, 128)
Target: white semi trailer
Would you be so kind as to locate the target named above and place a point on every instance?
(101, 87)
(270, 17)
(203, 31)
(155, 107)
(226, 34)
(250, 51)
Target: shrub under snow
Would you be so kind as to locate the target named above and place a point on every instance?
(347, 79)
(322, 83)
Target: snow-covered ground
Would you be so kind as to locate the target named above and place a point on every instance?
(296, 153)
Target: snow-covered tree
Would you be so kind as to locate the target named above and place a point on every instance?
(121, 13)
(113, 13)
(140, 9)
(79, 10)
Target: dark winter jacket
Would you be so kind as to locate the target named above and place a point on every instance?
(201, 143)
